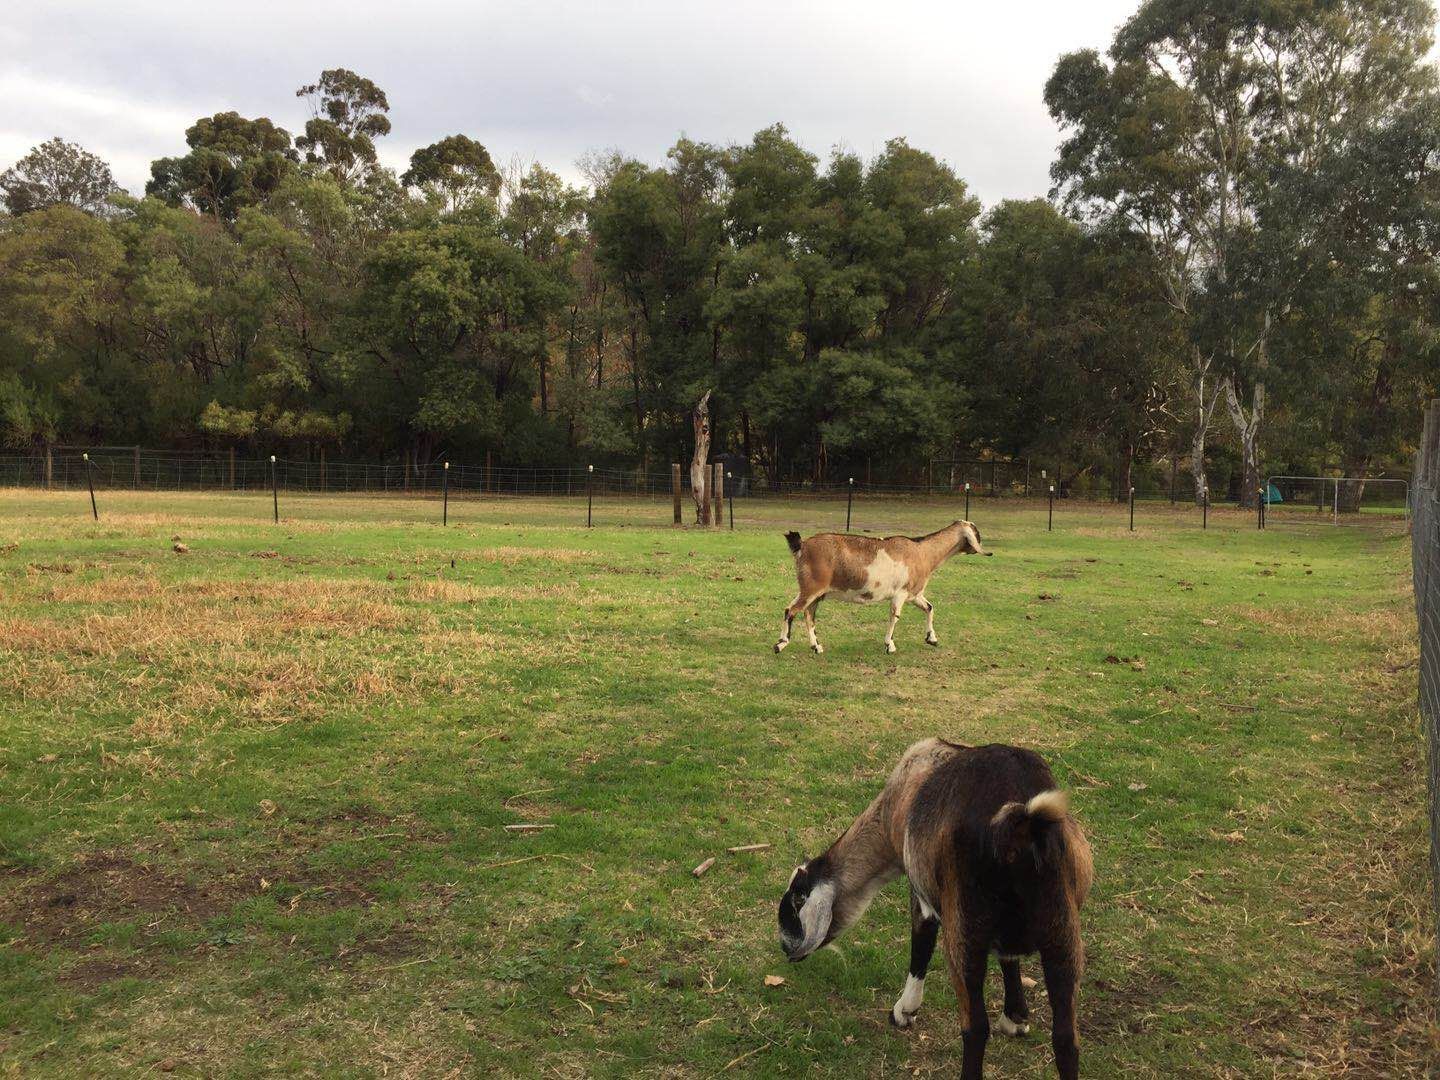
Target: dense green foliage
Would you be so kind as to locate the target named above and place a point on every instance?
(1246, 213)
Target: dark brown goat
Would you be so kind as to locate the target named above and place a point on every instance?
(994, 860)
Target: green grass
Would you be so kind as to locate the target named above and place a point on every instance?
(253, 796)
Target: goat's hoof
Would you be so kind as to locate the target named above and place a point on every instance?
(932, 641)
(818, 647)
(900, 1018)
(780, 645)
(1010, 1027)
(889, 646)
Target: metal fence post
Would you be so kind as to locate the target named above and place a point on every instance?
(274, 489)
(849, 502)
(1205, 507)
(1132, 507)
(90, 478)
(589, 495)
(730, 494)
(1050, 521)
(445, 495)
(675, 488)
(967, 500)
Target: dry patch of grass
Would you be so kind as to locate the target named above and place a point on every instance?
(446, 591)
(184, 619)
(1332, 623)
(514, 556)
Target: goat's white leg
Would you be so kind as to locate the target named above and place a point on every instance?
(895, 605)
(929, 609)
(786, 624)
(923, 931)
(1015, 1019)
(810, 626)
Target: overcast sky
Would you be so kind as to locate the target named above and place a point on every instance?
(547, 81)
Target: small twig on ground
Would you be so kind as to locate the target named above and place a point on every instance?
(748, 1054)
(748, 847)
(522, 794)
(699, 870)
(568, 858)
(1233, 705)
(528, 827)
(510, 862)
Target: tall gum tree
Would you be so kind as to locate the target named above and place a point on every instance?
(1184, 131)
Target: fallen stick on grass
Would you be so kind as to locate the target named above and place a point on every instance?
(527, 828)
(703, 867)
(748, 847)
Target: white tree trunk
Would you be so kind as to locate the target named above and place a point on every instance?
(1207, 397)
(699, 472)
(1248, 428)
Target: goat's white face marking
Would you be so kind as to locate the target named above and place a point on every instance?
(814, 917)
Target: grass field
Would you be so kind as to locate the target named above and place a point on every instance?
(253, 795)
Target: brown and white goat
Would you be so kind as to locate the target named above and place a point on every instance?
(995, 863)
(866, 570)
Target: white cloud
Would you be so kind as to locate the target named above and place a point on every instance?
(550, 79)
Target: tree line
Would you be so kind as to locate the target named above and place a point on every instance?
(1243, 228)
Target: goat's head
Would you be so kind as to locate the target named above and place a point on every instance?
(807, 910)
(969, 541)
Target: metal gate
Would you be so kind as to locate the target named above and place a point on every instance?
(1304, 499)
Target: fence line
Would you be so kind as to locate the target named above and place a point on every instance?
(138, 469)
(1425, 550)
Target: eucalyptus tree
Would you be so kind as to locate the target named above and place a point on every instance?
(1366, 336)
(233, 163)
(659, 233)
(1184, 134)
(1071, 355)
(544, 218)
(58, 310)
(347, 114)
(456, 168)
(57, 173)
(444, 326)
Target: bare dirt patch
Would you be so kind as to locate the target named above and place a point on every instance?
(102, 887)
(93, 972)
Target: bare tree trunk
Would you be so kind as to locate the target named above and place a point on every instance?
(699, 474)
(1352, 491)
(1206, 398)
(1248, 428)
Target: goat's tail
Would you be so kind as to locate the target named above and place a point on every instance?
(1034, 829)
(793, 539)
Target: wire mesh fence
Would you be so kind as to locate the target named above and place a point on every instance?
(629, 494)
(1425, 547)
(1338, 500)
